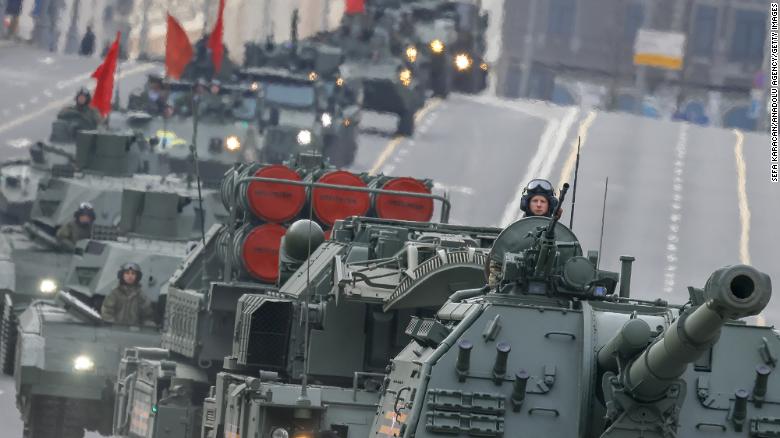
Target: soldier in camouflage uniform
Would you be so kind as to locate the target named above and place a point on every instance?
(81, 113)
(79, 228)
(126, 304)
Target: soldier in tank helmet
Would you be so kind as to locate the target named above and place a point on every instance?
(81, 112)
(538, 200)
(78, 228)
(126, 304)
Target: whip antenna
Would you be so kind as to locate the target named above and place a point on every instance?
(574, 192)
(603, 211)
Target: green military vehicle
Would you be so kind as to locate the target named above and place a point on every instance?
(300, 114)
(202, 319)
(19, 178)
(32, 245)
(225, 131)
(66, 354)
(553, 347)
(470, 45)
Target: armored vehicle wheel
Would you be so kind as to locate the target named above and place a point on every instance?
(8, 333)
(53, 417)
(406, 123)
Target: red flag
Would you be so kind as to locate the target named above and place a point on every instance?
(215, 40)
(178, 50)
(101, 98)
(355, 7)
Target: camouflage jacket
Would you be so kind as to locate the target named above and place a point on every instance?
(127, 305)
(86, 116)
(71, 232)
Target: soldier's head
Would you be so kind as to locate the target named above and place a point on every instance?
(129, 274)
(83, 97)
(85, 215)
(538, 198)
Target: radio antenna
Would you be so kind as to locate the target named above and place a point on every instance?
(194, 151)
(574, 191)
(603, 211)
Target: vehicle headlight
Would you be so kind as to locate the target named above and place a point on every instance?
(326, 119)
(254, 86)
(411, 53)
(83, 363)
(313, 76)
(232, 143)
(405, 76)
(484, 66)
(462, 61)
(47, 286)
(437, 46)
(339, 82)
(280, 433)
(304, 137)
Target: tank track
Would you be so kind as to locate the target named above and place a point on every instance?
(54, 417)
(8, 334)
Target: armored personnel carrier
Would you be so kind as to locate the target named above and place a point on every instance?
(299, 114)
(20, 178)
(224, 132)
(469, 47)
(66, 355)
(553, 347)
(34, 244)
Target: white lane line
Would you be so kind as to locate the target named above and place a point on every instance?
(550, 144)
(19, 143)
(60, 102)
(672, 239)
(453, 189)
(744, 208)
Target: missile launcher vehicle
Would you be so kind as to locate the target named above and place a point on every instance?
(270, 263)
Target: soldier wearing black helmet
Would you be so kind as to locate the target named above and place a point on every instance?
(126, 304)
(81, 112)
(538, 200)
(78, 228)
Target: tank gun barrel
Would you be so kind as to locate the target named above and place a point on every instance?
(732, 292)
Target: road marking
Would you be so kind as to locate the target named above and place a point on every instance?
(550, 144)
(680, 150)
(19, 143)
(744, 208)
(392, 144)
(582, 137)
(453, 189)
(61, 102)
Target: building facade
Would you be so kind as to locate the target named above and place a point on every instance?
(581, 52)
